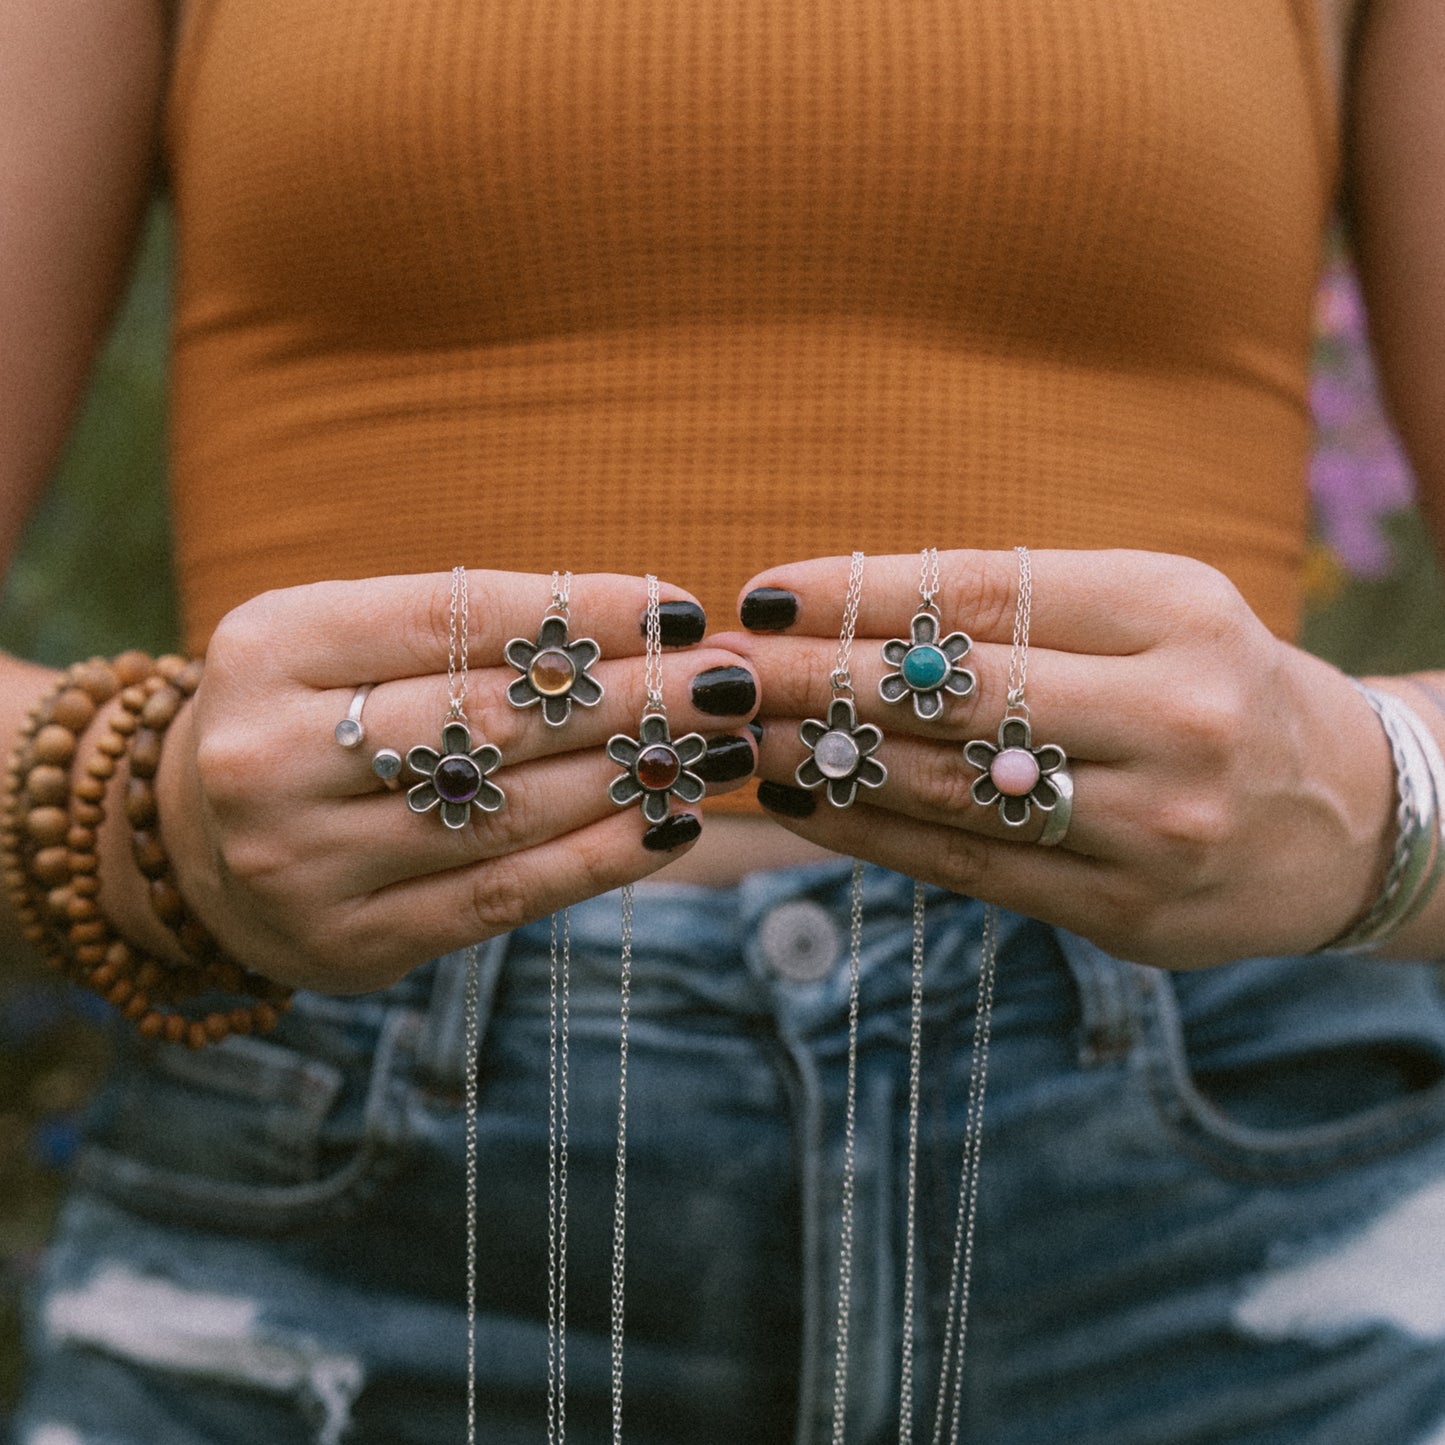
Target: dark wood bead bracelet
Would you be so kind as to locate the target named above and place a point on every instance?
(137, 733)
(48, 837)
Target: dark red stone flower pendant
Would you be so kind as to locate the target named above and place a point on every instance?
(657, 768)
(554, 671)
(840, 754)
(455, 779)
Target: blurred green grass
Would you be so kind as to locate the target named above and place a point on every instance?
(1393, 624)
(94, 571)
(94, 576)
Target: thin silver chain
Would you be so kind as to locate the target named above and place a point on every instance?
(472, 1015)
(850, 1140)
(619, 1209)
(928, 579)
(950, 1376)
(1019, 657)
(915, 1070)
(559, 1070)
(460, 630)
(652, 667)
(842, 679)
(653, 679)
(927, 591)
(561, 593)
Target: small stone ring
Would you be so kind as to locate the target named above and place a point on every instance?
(387, 764)
(349, 731)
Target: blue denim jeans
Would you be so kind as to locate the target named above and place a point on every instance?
(1212, 1205)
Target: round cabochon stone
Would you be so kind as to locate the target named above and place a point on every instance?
(552, 672)
(925, 668)
(1014, 772)
(658, 767)
(457, 779)
(836, 754)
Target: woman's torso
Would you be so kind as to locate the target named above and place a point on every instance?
(700, 289)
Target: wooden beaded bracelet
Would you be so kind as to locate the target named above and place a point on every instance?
(37, 815)
(51, 870)
(137, 733)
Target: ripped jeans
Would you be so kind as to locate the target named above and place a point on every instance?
(1212, 1205)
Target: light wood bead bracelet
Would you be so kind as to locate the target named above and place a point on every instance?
(51, 871)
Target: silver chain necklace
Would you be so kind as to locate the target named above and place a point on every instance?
(961, 1272)
(915, 1069)
(619, 1204)
(845, 1231)
(559, 1075)
(473, 1023)
(955, 1333)
(652, 681)
(457, 640)
(950, 1375)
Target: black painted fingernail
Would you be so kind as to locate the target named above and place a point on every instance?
(682, 623)
(671, 833)
(726, 760)
(756, 729)
(724, 691)
(768, 609)
(790, 802)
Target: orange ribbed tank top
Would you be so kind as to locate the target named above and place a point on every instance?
(634, 285)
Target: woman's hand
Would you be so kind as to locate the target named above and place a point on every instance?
(1233, 796)
(305, 868)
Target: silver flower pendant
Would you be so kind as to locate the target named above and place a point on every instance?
(554, 671)
(840, 754)
(657, 768)
(1015, 774)
(926, 666)
(455, 779)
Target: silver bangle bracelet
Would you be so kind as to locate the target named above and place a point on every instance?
(1429, 752)
(1418, 858)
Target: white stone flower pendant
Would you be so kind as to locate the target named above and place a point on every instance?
(554, 671)
(926, 667)
(455, 779)
(840, 754)
(1015, 774)
(657, 768)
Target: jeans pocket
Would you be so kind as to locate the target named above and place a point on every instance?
(256, 1134)
(1295, 1103)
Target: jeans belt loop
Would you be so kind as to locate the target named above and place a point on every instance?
(1108, 995)
(441, 1052)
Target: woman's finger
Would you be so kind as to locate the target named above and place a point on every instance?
(361, 844)
(1101, 602)
(338, 634)
(441, 912)
(1080, 703)
(706, 690)
(1051, 884)
(933, 782)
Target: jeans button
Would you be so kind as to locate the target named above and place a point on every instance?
(799, 941)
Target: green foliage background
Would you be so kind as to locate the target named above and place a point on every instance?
(94, 573)
(94, 576)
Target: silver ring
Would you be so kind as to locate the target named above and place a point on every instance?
(1056, 821)
(349, 731)
(386, 763)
